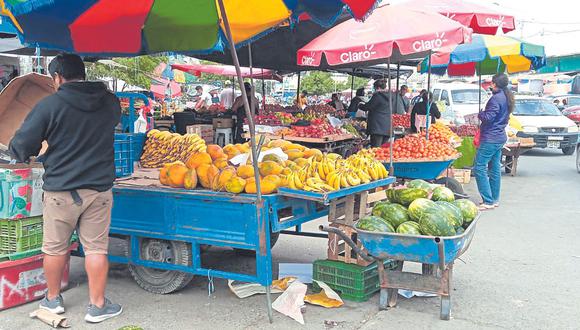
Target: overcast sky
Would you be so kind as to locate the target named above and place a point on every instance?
(552, 23)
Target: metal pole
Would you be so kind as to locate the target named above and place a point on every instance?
(263, 92)
(397, 88)
(391, 136)
(253, 90)
(479, 91)
(298, 88)
(428, 119)
(351, 85)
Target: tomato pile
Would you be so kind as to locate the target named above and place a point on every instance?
(415, 147)
(314, 131)
(465, 130)
(402, 120)
(440, 133)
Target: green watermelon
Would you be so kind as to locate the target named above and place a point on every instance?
(377, 209)
(460, 230)
(373, 223)
(468, 209)
(443, 194)
(453, 213)
(418, 207)
(418, 183)
(408, 195)
(392, 195)
(395, 214)
(409, 227)
(435, 223)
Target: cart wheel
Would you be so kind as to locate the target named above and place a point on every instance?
(569, 150)
(509, 162)
(157, 280)
(250, 253)
(445, 308)
(452, 184)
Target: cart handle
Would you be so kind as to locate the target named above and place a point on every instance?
(348, 241)
(441, 252)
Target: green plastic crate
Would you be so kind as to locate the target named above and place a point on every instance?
(20, 235)
(19, 255)
(352, 282)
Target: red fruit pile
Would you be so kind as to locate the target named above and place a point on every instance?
(320, 108)
(465, 130)
(402, 120)
(416, 147)
(441, 133)
(314, 131)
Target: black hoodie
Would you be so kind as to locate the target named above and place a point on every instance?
(78, 123)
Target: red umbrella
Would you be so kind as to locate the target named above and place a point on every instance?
(161, 86)
(481, 19)
(381, 37)
(226, 70)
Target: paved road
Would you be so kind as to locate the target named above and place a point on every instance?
(521, 271)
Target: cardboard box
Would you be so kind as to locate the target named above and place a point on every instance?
(17, 191)
(223, 123)
(463, 176)
(205, 132)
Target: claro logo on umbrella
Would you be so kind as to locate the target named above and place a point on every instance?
(424, 45)
(308, 59)
(366, 54)
(493, 21)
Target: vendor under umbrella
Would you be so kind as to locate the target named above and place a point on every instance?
(238, 108)
(419, 112)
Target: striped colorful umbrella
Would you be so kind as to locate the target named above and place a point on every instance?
(133, 27)
(486, 55)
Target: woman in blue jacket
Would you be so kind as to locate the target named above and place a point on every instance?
(492, 137)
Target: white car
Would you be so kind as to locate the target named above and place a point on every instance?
(460, 99)
(542, 121)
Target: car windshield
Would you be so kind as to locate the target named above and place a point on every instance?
(573, 101)
(535, 108)
(467, 96)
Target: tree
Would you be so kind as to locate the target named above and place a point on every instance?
(136, 71)
(318, 83)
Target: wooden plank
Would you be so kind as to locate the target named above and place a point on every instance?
(416, 282)
(362, 207)
(349, 211)
(377, 196)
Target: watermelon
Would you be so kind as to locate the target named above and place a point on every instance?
(435, 223)
(408, 195)
(392, 195)
(377, 209)
(443, 194)
(468, 209)
(373, 223)
(459, 230)
(418, 207)
(409, 227)
(395, 214)
(453, 213)
(418, 183)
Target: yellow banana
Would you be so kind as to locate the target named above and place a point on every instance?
(321, 173)
(352, 180)
(373, 173)
(291, 177)
(343, 181)
(298, 182)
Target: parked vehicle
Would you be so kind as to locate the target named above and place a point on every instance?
(565, 101)
(573, 113)
(542, 121)
(460, 99)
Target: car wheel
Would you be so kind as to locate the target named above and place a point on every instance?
(578, 159)
(569, 150)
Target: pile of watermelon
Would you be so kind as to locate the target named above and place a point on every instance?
(420, 208)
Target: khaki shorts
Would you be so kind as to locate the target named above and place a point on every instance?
(61, 217)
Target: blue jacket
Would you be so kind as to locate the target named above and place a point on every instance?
(494, 119)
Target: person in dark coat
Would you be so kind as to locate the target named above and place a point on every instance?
(378, 114)
(420, 109)
(353, 106)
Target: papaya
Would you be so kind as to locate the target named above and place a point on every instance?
(273, 158)
(231, 151)
(206, 174)
(215, 151)
(236, 185)
(294, 146)
(266, 187)
(245, 171)
(163, 179)
(317, 154)
(270, 167)
(190, 180)
(197, 159)
(176, 175)
(278, 143)
(220, 181)
(275, 179)
(294, 154)
(221, 163)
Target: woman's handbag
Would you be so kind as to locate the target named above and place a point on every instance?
(476, 138)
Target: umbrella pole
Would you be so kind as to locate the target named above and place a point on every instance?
(479, 78)
(391, 135)
(263, 92)
(298, 89)
(397, 87)
(351, 85)
(252, 105)
(259, 202)
(428, 119)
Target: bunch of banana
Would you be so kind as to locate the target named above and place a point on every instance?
(317, 185)
(163, 147)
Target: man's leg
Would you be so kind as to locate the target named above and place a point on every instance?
(495, 174)
(97, 267)
(484, 154)
(53, 270)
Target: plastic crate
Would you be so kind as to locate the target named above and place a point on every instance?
(128, 149)
(352, 282)
(20, 235)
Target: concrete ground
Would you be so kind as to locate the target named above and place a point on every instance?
(521, 271)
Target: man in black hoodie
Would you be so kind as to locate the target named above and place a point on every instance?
(78, 124)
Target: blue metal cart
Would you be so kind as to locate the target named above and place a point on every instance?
(436, 254)
(167, 229)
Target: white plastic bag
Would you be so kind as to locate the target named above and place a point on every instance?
(140, 125)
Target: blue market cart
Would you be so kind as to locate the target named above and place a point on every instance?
(167, 228)
(436, 254)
